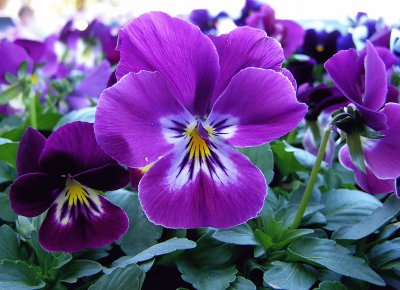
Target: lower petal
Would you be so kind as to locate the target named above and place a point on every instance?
(220, 192)
(80, 218)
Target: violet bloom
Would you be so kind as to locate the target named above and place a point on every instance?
(320, 45)
(203, 19)
(64, 174)
(362, 79)
(184, 104)
(287, 32)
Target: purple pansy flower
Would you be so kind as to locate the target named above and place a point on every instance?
(320, 45)
(362, 79)
(64, 175)
(184, 104)
(287, 32)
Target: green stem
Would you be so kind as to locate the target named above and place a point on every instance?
(32, 110)
(311, 181)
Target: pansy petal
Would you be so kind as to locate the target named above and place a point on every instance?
(222, 191)
(383, 155)
(33, 193)
(73, 149)
(105, 178)
(135, 134)
(184, 56)
(311, 146)
(375, 80)
(343, 69)
(71, 228)
(244, 47)
(258, 106)
(293, 36)
(29, 150)
(12, 55)
(367, 181)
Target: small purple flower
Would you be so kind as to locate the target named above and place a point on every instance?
(320, 45)
(65, 175)
(287, 32)
(184, 104)
(203, 19)
(362, 79)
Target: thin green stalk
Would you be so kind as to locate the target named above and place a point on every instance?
(311, 181)
(32, 110)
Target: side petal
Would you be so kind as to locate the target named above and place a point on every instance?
(12, 55)
(106, 178)
(383, 155)
(29, 150)
(33, 193)
(76, 227)
(72, 149)
(222, 191)
(343, 69)
(184, 56)
(375, 79)
(367, 181)
(258, 106)
(140, 105)
(244, 47)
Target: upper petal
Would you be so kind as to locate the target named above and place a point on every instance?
(293, 36)
(72, 149)
(220, 190)
(184, 56)
(29, 150)
(375, 79)
(12, 55)
(244, 47)
(343, 69)
(142, 106)
(258, 106)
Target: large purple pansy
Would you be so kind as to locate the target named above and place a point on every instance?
(183, 100)
(65, 175)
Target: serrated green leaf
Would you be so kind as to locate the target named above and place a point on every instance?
(263, 158)
(207, 278)
(141, 234)
(331, 285)
(378, 218)
(345, 207)
(76, 269)
(84, 115)
(326, 253)
(239, 235)
(128, 278)
(9, 246)
(289, 276)
(385, 252)
(8, 151)
(242, 284)
(18, 275)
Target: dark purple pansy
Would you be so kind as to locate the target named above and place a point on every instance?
(287, 32)
(203, 19)
(362, 79)
(184, 104)
(64, 175)
(249, 7)
(320, 45)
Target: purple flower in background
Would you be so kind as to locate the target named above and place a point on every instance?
(287, 32)
(64, 174)
(12, 56)
(320, 45)
(184, 104)
(362, 79)
(249, 7)
(202, 19)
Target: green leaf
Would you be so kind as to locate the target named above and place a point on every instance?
(239, 235)
(345, 207)
(23, 70)
(76, 269)
(10, 93)
(242, 284)
(84, 115)
(263, 158)
(289, 276)
(129, 278)
(385, 252)
(6, 213)
(380, 217)
(305, 158)
(163, 248)
(285, 160)
(326, 253)
(206, 277)
(10, 78)
(17, 275)
(8, 151)
(139, 225)
(331, 285)
(9, 246)
(356, 153)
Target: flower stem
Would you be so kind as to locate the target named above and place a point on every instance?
(32, 111)
(311, 181)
